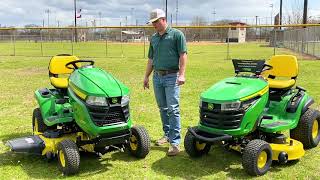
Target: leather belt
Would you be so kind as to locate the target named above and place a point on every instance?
(165, 72)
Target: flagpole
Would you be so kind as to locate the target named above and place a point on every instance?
(75, 21)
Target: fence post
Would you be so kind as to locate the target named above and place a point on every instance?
(121, 41)
(307, 39)
(314, 41)
(13, 39)
(185, 33)
(106, 42)
(72, 42)
(144, 42)
(228, 46)
(41, 48)
(303, 41)
(274, 41)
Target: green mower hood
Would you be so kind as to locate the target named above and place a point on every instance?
(96, 82)
(233, 89)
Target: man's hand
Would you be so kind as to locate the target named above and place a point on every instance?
(146, 83)
(181, 80)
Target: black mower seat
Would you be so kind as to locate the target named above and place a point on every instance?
(57, 68)
(283, 73)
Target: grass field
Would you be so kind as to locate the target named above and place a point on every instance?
(207, 64)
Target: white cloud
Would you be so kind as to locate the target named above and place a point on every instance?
(20, 13)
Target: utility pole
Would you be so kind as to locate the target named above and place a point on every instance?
(214, 15)
(48, 11)
(100, 24)
(75, 21)
(305, 12)
(280, 16)
(256, 26)
(166, 9)
(271, 17)
(177, 12)
(131, 18)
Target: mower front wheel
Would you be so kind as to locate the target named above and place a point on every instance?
(37, 122)
(194, 147)
(257, 157)
(139, 142)
(68, 157)
(308, 129)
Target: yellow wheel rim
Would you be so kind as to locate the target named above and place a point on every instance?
(35, 127)
(200, 146)
(262, 159)
(62, 160)
(315, 128)
(133, 142)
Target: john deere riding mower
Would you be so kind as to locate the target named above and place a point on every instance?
(88, 110)
(250, 112)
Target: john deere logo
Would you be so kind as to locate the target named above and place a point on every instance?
(114, 100)
(210, 106)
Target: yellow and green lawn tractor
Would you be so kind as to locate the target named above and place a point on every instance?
(251, 111)
(87, 110)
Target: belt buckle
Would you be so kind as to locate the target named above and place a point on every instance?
(161, 73)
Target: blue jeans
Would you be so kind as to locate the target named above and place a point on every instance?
(167, 94)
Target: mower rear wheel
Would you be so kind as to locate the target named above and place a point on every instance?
(308, 129)
(139, 142)
(68, 157)
(37, 122)
(257, 157)
(194, 147)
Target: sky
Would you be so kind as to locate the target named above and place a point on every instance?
(19, 13)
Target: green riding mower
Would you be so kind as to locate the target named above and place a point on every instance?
(87, 110)
(250, 112)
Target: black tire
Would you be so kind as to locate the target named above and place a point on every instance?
(37, 122)
(68, 157)
(195, 148)
(250, 159)
(304, 129)
(139, 142)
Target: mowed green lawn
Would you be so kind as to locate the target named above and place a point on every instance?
(207, 64)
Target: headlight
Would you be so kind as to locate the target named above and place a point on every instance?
(232, 106)
(97, 101)
(125, 100)
(246, 104)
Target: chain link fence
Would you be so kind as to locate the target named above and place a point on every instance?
(118, 41)
(303, 40)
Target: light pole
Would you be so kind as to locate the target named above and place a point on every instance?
(131, 18)
(214, 15)
(100, 24)
(271, 17)
(75, 20)
(166, 9)
(280, 15)
(48, 11)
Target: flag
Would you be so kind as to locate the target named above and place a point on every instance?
(78, 13)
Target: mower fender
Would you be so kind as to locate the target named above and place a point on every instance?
(309, 102)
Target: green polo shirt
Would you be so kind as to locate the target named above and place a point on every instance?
(165, 50)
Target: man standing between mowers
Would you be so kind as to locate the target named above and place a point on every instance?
(167, 59)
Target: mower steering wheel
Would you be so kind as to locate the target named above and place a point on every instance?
(74, 63)
(266, 67)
